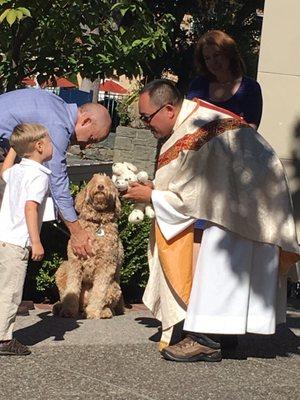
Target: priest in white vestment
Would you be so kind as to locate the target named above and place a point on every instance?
(218, 174)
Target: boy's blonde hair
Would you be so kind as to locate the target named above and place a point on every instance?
(25, 136)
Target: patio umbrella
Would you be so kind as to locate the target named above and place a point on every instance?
(60, 82)
(112, 86)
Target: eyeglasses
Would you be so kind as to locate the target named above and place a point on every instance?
(147, 118)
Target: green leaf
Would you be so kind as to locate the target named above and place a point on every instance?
(91, 40)
(25, 11)
(117, 5)
(11, 17)
(123, 11)
(72, 61)
(137, 42)
(19, 15)
(4, 14)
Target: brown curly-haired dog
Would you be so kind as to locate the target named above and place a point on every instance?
(91, 286)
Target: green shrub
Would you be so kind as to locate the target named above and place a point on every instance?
(54, 236)
(135, 238)
(45, 278)
(39, 283)
(75, 189)
(128, 110)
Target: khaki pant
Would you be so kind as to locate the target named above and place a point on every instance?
(13, 266)
(2, 187)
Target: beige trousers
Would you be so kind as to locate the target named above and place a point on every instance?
(2, 187)
(13, 266)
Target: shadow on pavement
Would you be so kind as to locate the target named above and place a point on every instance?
(148, 322)
(49, 326)
(151, 323)
(283, 344)
(293, 321)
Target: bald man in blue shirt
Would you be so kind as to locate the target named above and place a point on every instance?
(66, 123)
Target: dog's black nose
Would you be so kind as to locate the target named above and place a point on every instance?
(100, 187)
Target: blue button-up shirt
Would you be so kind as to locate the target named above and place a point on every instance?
(42, 107)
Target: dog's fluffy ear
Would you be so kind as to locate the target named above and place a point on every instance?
(118, 207)
(81, 199)
(115, 203)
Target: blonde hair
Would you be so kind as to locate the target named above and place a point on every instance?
(24, 137)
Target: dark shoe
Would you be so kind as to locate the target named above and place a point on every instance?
(13, 348)
(189, 350)
(211, 341)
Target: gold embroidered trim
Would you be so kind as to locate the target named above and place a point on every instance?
(196, 140)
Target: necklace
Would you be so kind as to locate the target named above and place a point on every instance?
(226, 83)
(229, 82)
(223, 91)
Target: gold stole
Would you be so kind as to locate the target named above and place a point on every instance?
(176, 255)
(176, 259)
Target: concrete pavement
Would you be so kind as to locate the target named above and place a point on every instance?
(118, 359)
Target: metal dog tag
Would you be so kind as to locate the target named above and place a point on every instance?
(100, 232)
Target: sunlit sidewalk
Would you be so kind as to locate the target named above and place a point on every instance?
(118, 359)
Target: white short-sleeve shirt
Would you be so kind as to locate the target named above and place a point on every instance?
(26, 181)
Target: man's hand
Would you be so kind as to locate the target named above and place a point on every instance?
(149, 184)
(139, 193)
(81, 242)
(37, 251)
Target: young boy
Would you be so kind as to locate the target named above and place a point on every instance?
(20, 221)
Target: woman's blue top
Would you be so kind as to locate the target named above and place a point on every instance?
(246, 102)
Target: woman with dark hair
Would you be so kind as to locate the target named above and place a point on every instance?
(222, 79)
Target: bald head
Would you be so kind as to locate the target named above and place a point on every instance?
(93, 124)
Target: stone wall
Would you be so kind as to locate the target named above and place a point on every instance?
(134, 145)
(137, 146)
(103, 151)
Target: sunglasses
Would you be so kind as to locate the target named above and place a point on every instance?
(147, 118)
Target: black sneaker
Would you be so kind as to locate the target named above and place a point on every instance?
(13, 348)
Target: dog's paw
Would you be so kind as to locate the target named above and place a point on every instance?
(92, 313)
(68, 313)
(106, 313)
(56, 309)
(69, 306)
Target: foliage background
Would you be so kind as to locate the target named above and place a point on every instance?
(91, 37)
(135, 238)
(133, 37)
(236, 17)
